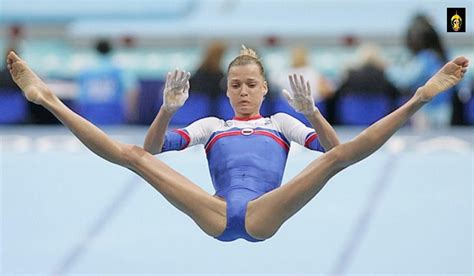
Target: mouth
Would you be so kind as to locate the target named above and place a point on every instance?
(244, 102)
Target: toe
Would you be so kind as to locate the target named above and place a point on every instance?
(13, 57)
(461, 60)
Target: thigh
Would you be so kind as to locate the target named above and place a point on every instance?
(206, 210)
(267, 213)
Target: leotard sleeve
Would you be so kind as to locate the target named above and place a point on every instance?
(194, 134)
(296, 131)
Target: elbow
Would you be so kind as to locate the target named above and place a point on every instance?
(150, 149)
(147, 147)
(332, 145)
(335, 143)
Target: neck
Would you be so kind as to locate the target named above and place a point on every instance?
(240, 117)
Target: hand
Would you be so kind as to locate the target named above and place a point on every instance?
(300, 98)
(176, 90)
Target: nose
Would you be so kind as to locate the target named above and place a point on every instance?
(243, 92)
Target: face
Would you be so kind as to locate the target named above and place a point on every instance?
(246, 88)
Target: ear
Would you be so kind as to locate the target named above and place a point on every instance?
(227, 93)
(265, 87)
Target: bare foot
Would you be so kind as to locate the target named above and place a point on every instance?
(447, 77)
(34, 89)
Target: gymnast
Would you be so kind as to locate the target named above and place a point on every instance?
(246, 155)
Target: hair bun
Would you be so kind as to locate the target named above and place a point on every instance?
(248, 52)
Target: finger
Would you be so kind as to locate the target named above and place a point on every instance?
(302, 83)
(297, 84)
(308, 88)
(174, 77)
(168, 79)
(177, 80)
(293, 85)
(287, 95)
(188, 76)
(180, 76)
(179, 84)
(186, 89)
(303, 86)
(185, 78)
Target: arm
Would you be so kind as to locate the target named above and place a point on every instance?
(326, 133)
(302, 101)
(156, 133)
(175, 94)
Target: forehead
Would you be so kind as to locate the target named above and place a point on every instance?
(248, 71)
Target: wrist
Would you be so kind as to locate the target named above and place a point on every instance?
(312, 113)
(167, 111)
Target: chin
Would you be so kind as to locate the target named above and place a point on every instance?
(246, 111)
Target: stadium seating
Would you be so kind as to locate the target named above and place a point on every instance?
(360, 109)
(13, 106)
(196, 107)
(150, 99)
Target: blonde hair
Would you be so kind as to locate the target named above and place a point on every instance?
(245, 57)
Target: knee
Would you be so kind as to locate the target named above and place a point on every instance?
(339, 157)
(261, 231)
(132, 155)
(261, 228)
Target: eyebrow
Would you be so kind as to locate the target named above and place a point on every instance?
(249, 79)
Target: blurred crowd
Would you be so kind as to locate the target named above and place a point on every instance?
(368, 87)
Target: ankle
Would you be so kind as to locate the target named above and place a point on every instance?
(422, 94)
(47, 99)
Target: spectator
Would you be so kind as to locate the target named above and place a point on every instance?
(428, 56)
(366, 76)
(301, 65)
(209, 77)
(109, 84)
